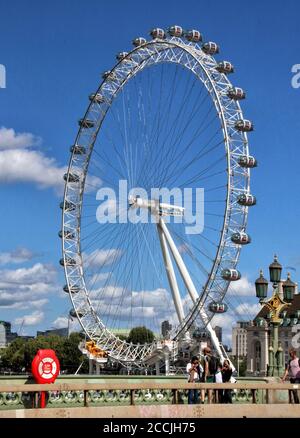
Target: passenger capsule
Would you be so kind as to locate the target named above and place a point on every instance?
(158, 33)
(247, 161)
(210, 48)
(68, 262)
(86, 123)
(236, 93)
(67, 235)
(225, 67)
(241, 238)
(218, 307)
(121, 55)
(109, 75)
(97, 97)
(246, 199)
(78, 150)
(67, 205)
(244, 125)
(231, 274)
(193, 35)
(137, 42)
(73, 289)
(176, 31)
(73, 313)
(71, 177)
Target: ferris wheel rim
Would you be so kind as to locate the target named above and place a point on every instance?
(194, 51)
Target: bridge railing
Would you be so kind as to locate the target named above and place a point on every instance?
(14, 396)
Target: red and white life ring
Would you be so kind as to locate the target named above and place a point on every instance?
(45, 366)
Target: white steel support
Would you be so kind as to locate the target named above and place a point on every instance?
(171, 275)
(179, 262)
(190, 286)
(167, 363)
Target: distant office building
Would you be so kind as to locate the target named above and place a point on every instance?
(218, 331)
(166, 328)
(239, 339)
(63, 332)
(6, 335)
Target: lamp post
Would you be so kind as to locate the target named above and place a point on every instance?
(275, 305)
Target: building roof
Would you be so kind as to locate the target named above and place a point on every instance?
(290, 310)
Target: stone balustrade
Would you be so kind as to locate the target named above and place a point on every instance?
(115, 391)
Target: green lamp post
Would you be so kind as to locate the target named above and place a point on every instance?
(261, 286)
(275, 269)
(275, 305)
(289, 288)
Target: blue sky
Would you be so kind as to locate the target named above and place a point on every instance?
(54, 53)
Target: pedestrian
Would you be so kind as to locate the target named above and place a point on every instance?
(226, 377)
(194, 371)
(211, 364)
(219, 379)
(293, 371)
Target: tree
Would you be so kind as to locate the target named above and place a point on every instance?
(20, 353)
(242, 365)
(140, 335)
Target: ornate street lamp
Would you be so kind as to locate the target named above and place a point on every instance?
(275, 269)
(275, 305)
(261, 286)
(289, 288)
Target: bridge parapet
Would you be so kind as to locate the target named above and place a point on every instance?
(85, 392)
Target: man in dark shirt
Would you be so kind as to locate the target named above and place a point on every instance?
(226, 376)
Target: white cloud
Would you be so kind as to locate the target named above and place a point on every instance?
(9, 139)
(225, 320)
(38, 273)
(19, 163)
(248, 309)
(101, 257)
(21, 302)
(22, 288)
(154, 298)
(33, 319)
(242, 287)
(108, 292)
(114, 302)
(23, 165)
(60, 322)
(19, 255)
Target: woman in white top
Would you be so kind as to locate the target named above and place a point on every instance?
(293, 371)
(194, 371)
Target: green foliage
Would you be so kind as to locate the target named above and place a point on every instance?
(20, 353)
(242, 365)
(140, 335)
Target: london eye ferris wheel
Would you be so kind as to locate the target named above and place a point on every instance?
(164, 117)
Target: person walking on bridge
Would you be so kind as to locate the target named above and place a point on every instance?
(293, 371)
